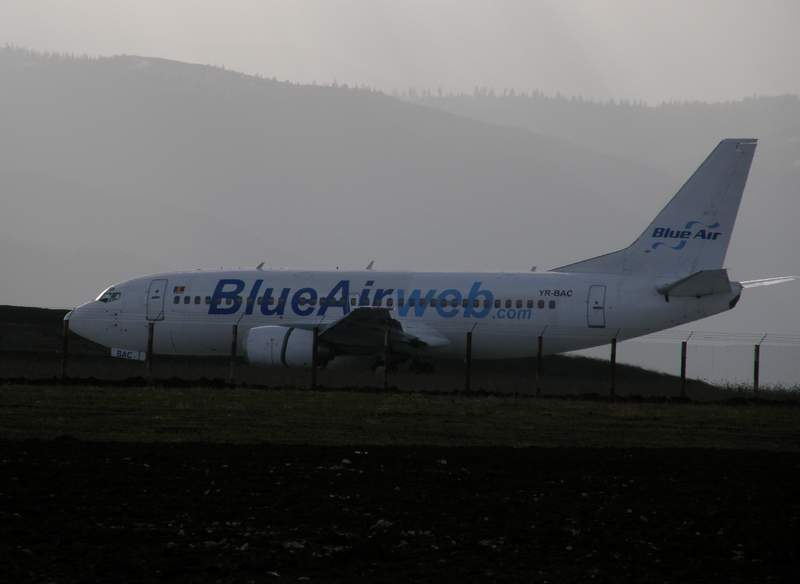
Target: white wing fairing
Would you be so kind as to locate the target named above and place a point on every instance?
(672, 274)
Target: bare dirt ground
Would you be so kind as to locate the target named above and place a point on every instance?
(123, 484)
(119, 512)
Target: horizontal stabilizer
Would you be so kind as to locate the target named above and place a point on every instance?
(767, 281)
(702, 283)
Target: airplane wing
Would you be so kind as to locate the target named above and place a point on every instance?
(767, 281)
(363, 330)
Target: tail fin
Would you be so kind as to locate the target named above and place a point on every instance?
(693, 231)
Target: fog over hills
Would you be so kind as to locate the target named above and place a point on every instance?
(119, 166)
(181, 165)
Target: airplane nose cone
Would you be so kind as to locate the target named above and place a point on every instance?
(84, 321)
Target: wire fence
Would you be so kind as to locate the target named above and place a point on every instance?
(733, 359)
(686, 363)
(722, 338)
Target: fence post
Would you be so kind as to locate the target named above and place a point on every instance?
(387, 358)
(149, 356)
(684, 345)
(314, 356)
(64, 349)
(468, 362)
(613, 390)
(756, 366)
(539, 364)
(234, 349)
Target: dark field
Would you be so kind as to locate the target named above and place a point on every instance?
(193, 484)
(82, 512)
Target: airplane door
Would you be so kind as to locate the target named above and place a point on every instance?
(596, 307)
(156, 293)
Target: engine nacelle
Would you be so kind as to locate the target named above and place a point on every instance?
(280, 346)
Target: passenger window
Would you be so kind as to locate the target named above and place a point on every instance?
(541, 304)
(208, 299)
(352, 302)
(187, 299)
(323, 301)
(176, 300)
(433, 302)
(552, 304)
(422, 301)
(508, 304)
(197, 300)
(411, 301)
(519, 303)
(476, 303)
(271, 300)
(390, 302)
(302, 302)
(497, 303)
(530, 303)
(465, 303)
(401, 302)
(313, 301)
(228, 301)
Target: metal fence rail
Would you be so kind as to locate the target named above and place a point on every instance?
(548, 340)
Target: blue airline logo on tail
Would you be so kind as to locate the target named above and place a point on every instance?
(692, 230)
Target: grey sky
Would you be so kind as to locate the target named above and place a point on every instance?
(709, 50)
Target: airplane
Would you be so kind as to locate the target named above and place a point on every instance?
(670, 275)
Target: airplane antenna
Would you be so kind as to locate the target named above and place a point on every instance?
(259, 266)
(370, 264)
(533, 268)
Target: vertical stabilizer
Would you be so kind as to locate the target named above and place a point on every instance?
(693, 231)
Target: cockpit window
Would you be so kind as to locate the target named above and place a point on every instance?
(109, 295)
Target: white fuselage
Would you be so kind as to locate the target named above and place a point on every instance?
(193, 312)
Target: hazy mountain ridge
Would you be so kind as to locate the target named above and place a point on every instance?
(192, 165)
(634, 125)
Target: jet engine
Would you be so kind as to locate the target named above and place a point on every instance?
(281, 346)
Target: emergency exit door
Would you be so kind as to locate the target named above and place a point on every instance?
(596, 307)
(156, 293)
